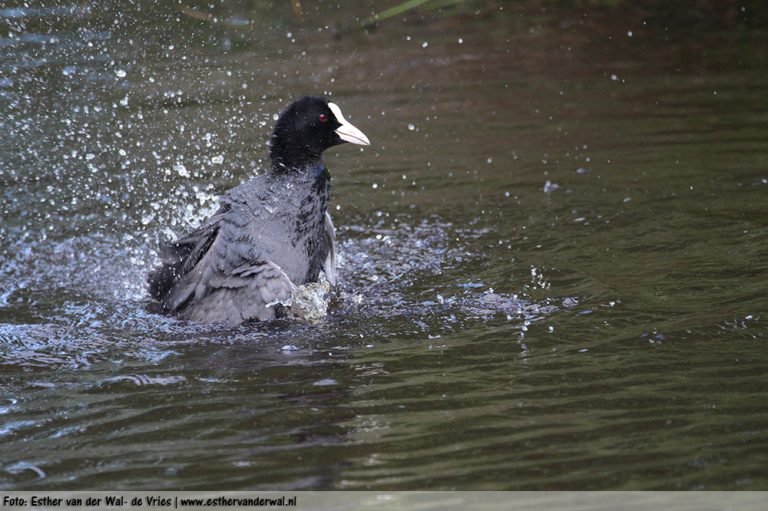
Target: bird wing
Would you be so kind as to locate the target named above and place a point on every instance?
(254, 290)
(180, 256)
(219, 274)
(329, 265)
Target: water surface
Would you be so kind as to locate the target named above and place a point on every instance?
(554, 254)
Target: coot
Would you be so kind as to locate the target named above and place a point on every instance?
(270, 234)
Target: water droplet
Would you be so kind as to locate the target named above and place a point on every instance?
(424, 44)
(181, 170)
(411, 126)
(550, 187)
(120, 73)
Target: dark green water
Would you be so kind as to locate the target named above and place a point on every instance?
(554, 253)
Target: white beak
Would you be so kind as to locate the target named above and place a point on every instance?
(346, 131)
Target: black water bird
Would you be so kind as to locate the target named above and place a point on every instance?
(270, 234)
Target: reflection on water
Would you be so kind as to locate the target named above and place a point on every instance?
(553, 258)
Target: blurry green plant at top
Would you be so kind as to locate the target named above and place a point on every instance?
(407, 6)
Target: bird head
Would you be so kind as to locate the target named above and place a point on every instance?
(309, 126)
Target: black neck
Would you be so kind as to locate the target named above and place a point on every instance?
(291, 155)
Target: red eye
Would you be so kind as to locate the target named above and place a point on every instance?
(323, 118)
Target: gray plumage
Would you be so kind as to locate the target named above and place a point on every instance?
(270, 234)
